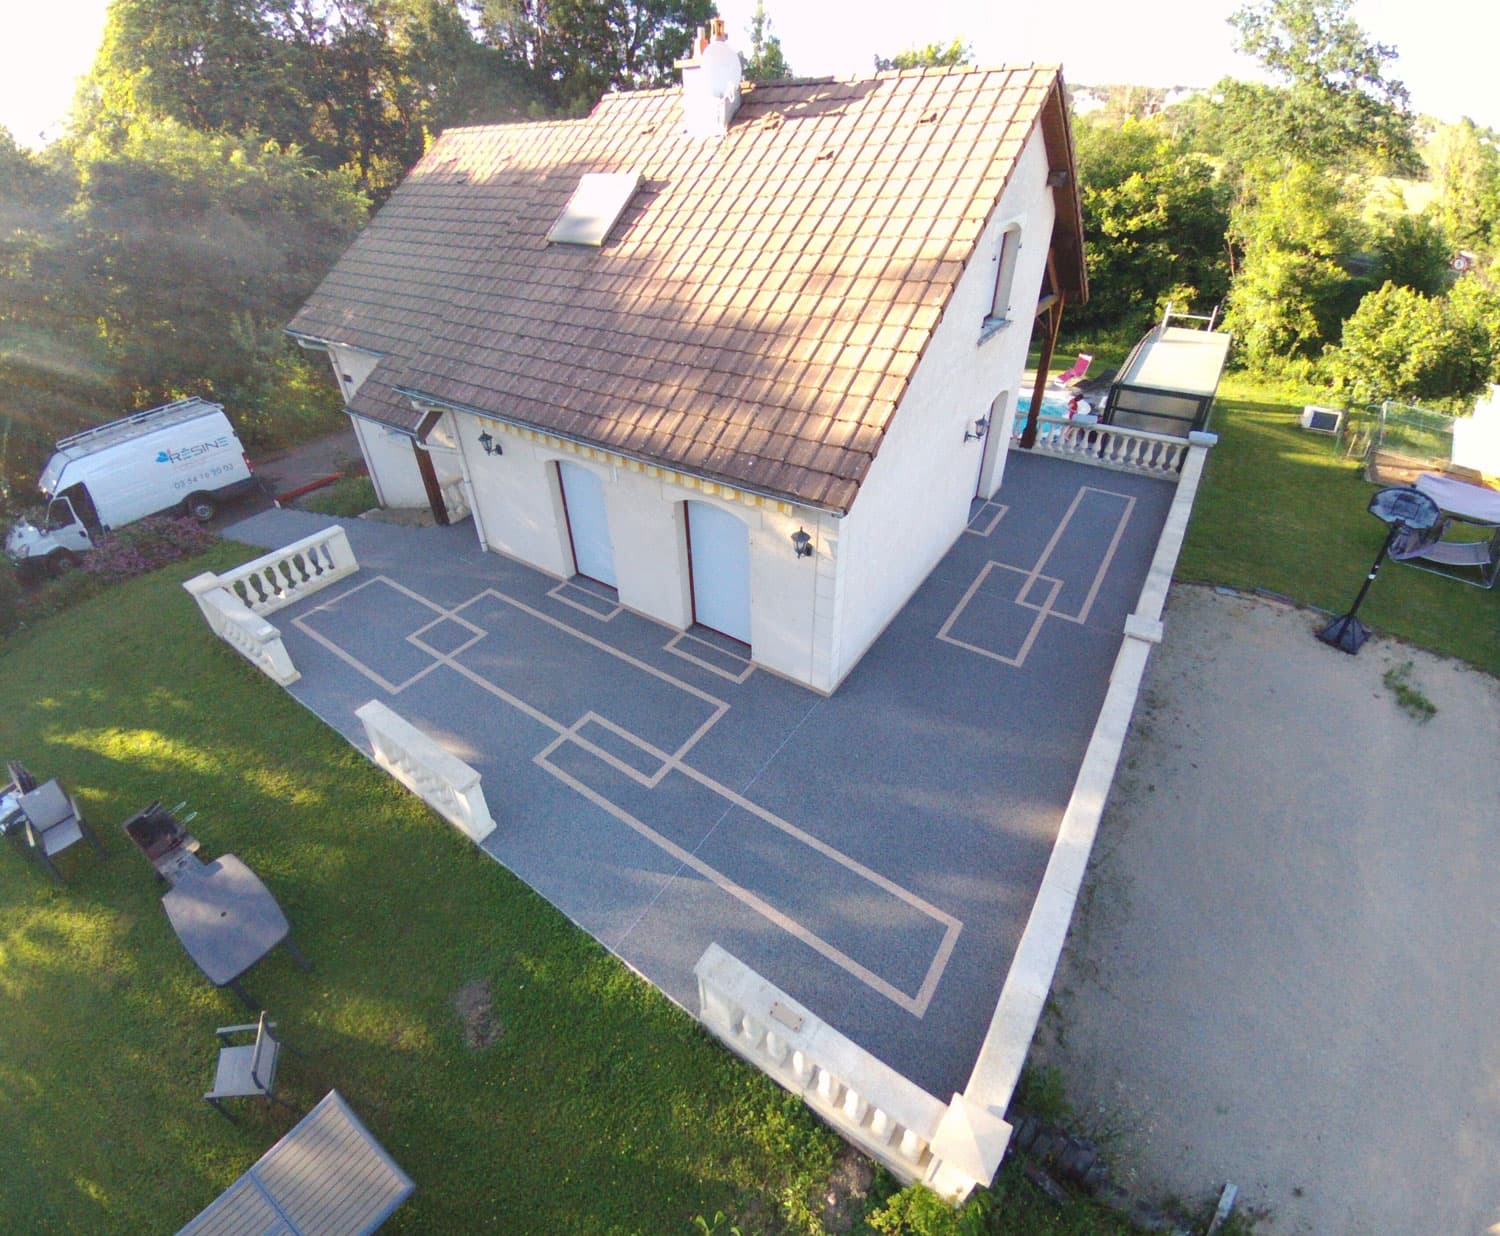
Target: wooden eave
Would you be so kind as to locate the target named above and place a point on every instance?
(1067, 228)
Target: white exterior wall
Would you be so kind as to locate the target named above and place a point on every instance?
(915, 499)
(351, 366)
(388, 455)
(393, 466)
(1476, 438)
(519, 512)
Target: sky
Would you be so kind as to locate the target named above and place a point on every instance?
(1447, 46)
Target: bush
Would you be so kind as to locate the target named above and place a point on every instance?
(918, 1211)
(142, 546)
(145, 545)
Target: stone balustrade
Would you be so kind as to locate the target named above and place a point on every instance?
(1108, 446)
(247, 633)
(292, 572)
(455, 499)
(951, 1147)
(441, 780)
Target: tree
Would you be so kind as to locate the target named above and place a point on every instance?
(1400, 344)
(765, 63)
(1464, 163)
(1292, 289)
(53, 371)
(165, 267)
(1155, 217)
(1413, 252)
(1335, 102)
(191, 239)
(934, 55)
(572, 51)
(356, 83)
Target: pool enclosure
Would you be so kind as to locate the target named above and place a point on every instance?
(1168, 382)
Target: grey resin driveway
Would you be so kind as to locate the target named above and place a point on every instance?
(874, 853)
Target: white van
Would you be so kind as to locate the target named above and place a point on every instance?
(181, 457)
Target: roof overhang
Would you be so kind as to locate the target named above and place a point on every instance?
(316, 343)
(1067, 226)
(431, 402)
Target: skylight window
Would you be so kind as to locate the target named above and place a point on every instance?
(594, 207)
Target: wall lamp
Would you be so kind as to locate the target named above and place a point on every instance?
(802, 543)
(491, 447)
(981, 427)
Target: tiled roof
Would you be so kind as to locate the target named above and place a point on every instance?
(757, 311)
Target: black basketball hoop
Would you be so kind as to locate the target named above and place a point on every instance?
(1400, 507)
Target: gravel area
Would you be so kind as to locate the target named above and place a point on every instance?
(1285, 969)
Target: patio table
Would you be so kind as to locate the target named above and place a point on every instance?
(227, 921)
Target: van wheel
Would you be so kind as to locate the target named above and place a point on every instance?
(202, 508)
(61, 561)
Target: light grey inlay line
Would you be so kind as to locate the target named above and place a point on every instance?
(914, 1003)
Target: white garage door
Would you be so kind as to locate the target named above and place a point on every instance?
(583, 495)
(719, 545)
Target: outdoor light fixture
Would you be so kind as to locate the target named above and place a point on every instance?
(802, 543)
(491, 447)
(981, 427)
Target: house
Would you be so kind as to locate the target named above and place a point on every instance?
(742, 355)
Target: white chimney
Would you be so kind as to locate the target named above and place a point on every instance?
(710, 84)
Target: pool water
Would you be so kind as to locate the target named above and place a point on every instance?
(1054, 403)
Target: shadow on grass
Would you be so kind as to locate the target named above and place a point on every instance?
(602, 1107)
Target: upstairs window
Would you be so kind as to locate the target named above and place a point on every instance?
(1005, 277)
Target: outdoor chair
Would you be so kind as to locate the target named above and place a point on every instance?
(21, 781)
(247, 1070)
(12, 821)
(1074, 373)
(1451, 557)
(1465, 543)
(50, 818)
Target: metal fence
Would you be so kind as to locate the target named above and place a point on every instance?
(1398, 429)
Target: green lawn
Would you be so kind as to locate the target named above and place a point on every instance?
(349, 497)
(1280, 509)
(602, 1107)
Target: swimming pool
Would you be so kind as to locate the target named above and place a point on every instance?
(1054, 403)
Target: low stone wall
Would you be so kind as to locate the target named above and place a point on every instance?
(951, 1147)
(1019, 1009)
(1109, 446)
(441, 780)
(292, 572)
(456, 499)
(247, 633)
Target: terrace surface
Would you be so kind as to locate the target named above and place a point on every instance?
(874, 854)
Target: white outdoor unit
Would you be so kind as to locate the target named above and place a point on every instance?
(1320, 419)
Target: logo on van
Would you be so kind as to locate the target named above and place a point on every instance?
(191, 452)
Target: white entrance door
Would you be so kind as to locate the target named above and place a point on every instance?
(719, 548)
(588, 525)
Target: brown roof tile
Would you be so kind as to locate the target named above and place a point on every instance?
(757, 310)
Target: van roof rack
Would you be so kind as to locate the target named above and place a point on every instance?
(100, 436)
